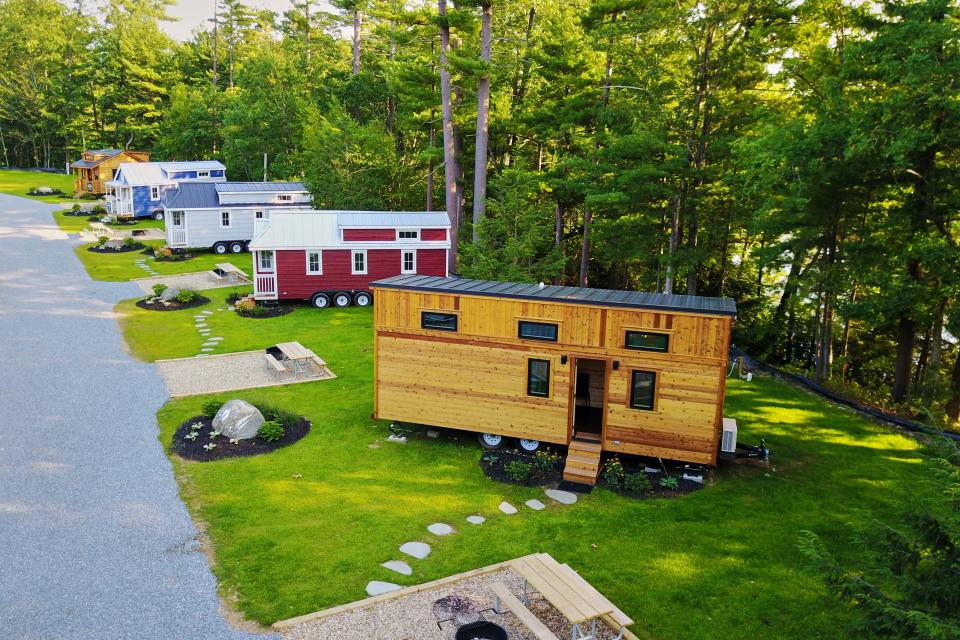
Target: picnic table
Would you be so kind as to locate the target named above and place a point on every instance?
(575, 598)
(226, 270)
(300, 356)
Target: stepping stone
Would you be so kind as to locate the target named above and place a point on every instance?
(231, 308)
(206, 349)
(207, 312)
(440, 529)
(204, 332)
(476, 519)
(201, 325)
(563, 497)
(399, 566)
(220, 309)
(376, 587)
(202, 355)
(418, 550)
(535, 504)
(218, 339)
(507, 508)
(209, 344)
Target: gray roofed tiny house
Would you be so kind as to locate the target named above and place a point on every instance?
(225, 216)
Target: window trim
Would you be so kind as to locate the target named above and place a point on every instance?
(258, 214)
(353, 262)
(555, 325)
(530, 362)
(455, 316)
(229, 219)
(154, 189)
(626, 340)
(319, 254)
(416, 237)
(173, 220)
(203, 173)
(284, 197)
(273, 261)
(653, 398)
(403, 261)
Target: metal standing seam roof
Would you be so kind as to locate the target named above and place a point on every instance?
(321, 229)
(206, 195)
(259, 187)
(144, 173)
(554, 293)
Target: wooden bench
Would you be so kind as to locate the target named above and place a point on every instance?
(216, 276)
(277, 366)
(320, 362)
(530, 621)
(616, 618)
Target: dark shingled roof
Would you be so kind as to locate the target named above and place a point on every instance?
(553, 293)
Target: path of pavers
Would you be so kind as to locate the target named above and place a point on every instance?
(210, 343)
(420, 550)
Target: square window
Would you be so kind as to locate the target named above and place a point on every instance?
(224, 219)
(266, 261)
(642, 390)
(314, 266)
(408, 262)
(647, 341)
(258, 215)
(538, 378)
(359, 263)
(545, 331)
(438, 321)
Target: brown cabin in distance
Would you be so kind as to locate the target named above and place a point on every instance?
(96, 167)
(596, 370)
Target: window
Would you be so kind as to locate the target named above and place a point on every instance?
(203, 174)
(438, 321)
(224, 219)
(642, 387)
(176, 218)
(154, 193)
(359, 263)
(285, 197)
(538, 331)
(258, 215)
(538, 378)
(408, 234)
(408, 262)
(314, 265)
(646, 341)
(266, 261)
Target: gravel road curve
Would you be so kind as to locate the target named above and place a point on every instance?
(96, 542)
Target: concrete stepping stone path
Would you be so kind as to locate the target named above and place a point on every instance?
(507, 508)
(398, 566)
(535, 504)
(476, 519)
(563, 497)
(440, 529)
(376, 587)
(418, 550)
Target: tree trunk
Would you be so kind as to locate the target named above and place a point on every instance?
(306, 31)
(450, 168)
(356, 41)
(674, 241)
(936, 355)
(216, 40)
(846, 338)
(483, 117)
(906, 337)
(391, 98)
(953, 404)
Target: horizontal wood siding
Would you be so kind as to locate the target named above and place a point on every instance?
(358, 235)
(433, 235)
(293, 282)
(419, 372)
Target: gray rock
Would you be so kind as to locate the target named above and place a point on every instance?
(535, 504)
(399, 566)
(238, 420)
(169, 293)
(45, 190)
(418, 550)
(563, 497)
(507, 508)
(113, 244)
(476, 519)
(440, 529)
(376, 587)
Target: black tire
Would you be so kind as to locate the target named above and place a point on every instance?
(528, 446)
(487, 441)
(158, 215)
(236, 247)
(220, 248)
(362, 299)
(320, 300)
(342, 299)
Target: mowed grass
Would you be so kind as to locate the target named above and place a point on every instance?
(18, 183)
(122, 266)
(720, 563)
(76, 224)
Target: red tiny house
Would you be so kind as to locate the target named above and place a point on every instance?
(332, 258)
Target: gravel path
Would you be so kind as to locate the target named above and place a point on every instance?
(227, 372)
(198, 281)
(96, 542)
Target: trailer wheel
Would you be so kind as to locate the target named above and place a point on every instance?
(341, 299)
(320, 300)
(492, 441)
(236, 247)
(528, 445)
(158, 215)
(362, 299)
(220, 248)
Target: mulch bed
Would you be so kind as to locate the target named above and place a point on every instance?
(194, 449)
(494, 465)
(174, 305)
(176, 256)
(83, 214)
(123, 249)
(267, 311)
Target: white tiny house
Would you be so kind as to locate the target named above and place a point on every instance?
(225, 216)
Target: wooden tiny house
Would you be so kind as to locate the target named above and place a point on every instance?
(97, 166)
(598, 370)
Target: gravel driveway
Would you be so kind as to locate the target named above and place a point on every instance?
(96, 542)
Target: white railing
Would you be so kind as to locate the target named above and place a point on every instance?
(178, 237)
(265, 286)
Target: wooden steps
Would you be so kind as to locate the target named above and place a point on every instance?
(583, 462)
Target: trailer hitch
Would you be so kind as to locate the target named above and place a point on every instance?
(752, 452)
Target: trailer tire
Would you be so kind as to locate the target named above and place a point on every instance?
(320, 300)
(341, 299)
(362, 299)
(528, 446)
(236, 247)
(491, 441)
(220, 248)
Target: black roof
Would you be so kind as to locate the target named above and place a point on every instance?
(554, 293)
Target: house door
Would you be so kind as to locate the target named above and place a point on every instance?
(589, 399)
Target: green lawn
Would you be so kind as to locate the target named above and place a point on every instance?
(122, 266)
(76, 224)
(17, 183)
(720, 563)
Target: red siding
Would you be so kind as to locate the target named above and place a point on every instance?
(354, 235)
(294, 283)
(432, 235)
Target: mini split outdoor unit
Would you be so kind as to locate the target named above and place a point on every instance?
(728, 439)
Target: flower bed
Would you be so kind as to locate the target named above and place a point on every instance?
(517, 467)
(196, 440)
(107, 247)
(154, 304)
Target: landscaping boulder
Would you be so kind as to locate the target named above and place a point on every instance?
(113, 244)
(45, 190)
(238, 420)
(169, 294)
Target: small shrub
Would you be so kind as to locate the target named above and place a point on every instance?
(517, 470)
(669, 482)
(210, 408)
(186, 296)
(76, 207)
(159, 288)
(271, 431)
(130, 242)
(162, 252)
(233, 296)
(637, 483)
(102, 240)
(545, 460)
(491, 458)
(99, 209)
(245, 306)
(258, 310)
(612, 474)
